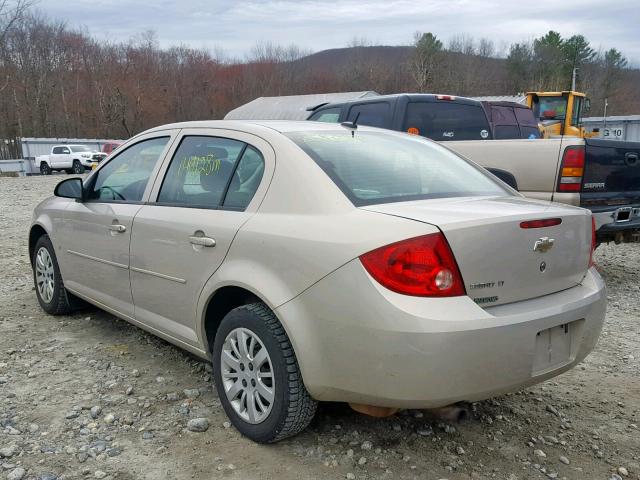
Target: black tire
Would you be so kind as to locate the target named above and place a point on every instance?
(45, 169)
(293, 408)
(60, 303)
(77, 167)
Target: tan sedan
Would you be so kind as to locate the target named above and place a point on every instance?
(317, 262)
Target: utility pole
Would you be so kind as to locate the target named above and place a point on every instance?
(573, 79)
(604, 117)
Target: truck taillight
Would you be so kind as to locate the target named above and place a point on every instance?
(445, 97)
(571, 169)
(421, 266)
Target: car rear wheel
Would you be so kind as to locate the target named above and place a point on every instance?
(45, 169)
(257, 376)
(52, 295)
(77, 167)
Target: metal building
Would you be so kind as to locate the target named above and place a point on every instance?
(33, 147)
(502, 98)
(625, 127)
(292, 107)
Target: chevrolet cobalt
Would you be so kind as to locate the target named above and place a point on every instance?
(317, 262)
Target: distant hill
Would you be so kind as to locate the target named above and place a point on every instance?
(339, 58)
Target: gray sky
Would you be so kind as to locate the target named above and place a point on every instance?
(235, 26)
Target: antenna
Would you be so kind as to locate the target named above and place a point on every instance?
(351, 126)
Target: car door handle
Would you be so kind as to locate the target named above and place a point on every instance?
(118, 228)
(203, 241)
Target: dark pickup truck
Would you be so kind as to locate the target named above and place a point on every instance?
(601, 175)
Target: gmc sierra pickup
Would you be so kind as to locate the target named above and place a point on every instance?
(601, 175)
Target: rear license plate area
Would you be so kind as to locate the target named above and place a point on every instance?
(553, 348)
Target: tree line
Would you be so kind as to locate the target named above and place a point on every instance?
(59, 82)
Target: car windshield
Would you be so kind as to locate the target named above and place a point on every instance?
(377, 167)
(551, 108)
(79, 148)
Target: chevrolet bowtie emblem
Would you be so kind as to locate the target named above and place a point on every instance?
(543, 244)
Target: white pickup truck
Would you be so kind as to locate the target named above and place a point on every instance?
(70, 158)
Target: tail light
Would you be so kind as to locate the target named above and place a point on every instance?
(572, 169)
(593, 242)
(445, 97)
(421, 266)
(547, 222)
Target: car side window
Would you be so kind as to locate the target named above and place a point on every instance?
(372, 114)
(57, 150)
(246, 180)
(202, 170)
(330, 115)
(124, 178)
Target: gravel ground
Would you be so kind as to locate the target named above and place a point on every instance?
(89, 396)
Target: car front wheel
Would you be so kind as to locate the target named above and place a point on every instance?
(257, 376)
(52, 296)
(45, 169)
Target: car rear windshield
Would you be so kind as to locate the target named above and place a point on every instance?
(378, 167)
(447, 120)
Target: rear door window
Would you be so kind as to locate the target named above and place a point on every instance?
(506, 132)
(530, 132)
(210, 172)
(373, 114)
(447, 120)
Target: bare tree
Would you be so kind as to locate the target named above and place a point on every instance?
(58, 81)
(10, 12)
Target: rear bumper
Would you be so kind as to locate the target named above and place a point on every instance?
(358, 342)
(609, 223)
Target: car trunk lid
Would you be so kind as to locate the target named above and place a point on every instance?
(497, 257)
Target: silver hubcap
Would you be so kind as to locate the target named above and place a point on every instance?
(247, 375)
(44, 275)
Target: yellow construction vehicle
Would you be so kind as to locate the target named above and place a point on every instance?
(559, 113)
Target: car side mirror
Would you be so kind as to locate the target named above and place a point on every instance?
(70, 188)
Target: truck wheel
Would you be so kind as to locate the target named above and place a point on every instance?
(45, 169)
(77, 167)
(257, 376)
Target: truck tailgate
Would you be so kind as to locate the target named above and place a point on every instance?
(611, 184)
(611, 171)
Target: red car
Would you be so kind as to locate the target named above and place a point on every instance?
(111, 146)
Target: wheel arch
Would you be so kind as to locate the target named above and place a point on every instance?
(220, 302)
(35, 232)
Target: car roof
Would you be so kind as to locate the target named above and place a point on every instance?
(410, 96)
(282, 126)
